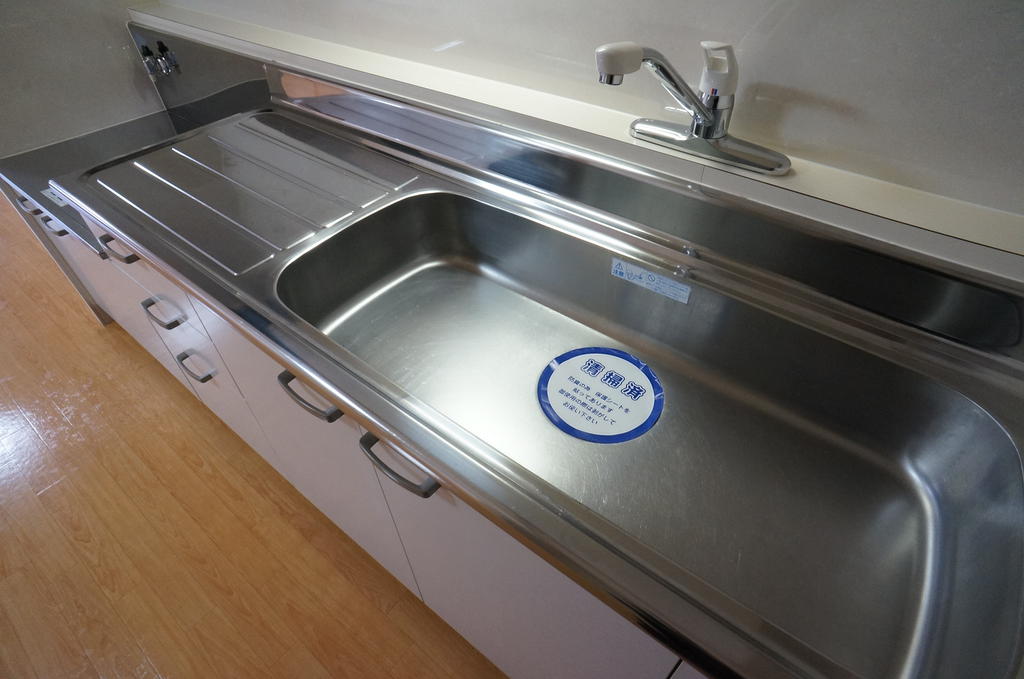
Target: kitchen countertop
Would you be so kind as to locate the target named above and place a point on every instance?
(31, 171)
(968, 221)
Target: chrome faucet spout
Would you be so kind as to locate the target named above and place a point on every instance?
(676, 86)
(710, 108)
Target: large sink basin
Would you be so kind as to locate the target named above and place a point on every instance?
(847, 504)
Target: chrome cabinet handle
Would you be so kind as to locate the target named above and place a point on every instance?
(26, 206)
(427, 488)
(105, 239)
(148, 304)
(45, 221)
(201, 379)
(326, 414)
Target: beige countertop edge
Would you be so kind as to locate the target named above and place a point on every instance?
(960, 219)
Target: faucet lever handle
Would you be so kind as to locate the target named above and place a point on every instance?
(721, 71)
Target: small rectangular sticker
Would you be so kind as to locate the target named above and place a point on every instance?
(663, 285)
(54, 197)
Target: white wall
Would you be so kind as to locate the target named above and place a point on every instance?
(925, 93)
(67, 68)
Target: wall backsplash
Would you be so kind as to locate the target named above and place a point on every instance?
(68, 68)
(924, 93)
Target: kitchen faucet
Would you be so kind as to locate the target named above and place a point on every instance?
(707, 135)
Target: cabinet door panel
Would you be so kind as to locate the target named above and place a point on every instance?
(518, 610)
(322, 460)
(67, 246)
(216, 388)
(96, 274)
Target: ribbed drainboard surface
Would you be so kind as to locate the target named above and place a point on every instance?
(240, 192)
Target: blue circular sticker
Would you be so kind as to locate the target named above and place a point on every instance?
(601, 395)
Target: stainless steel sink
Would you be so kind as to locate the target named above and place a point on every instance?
(843, 502)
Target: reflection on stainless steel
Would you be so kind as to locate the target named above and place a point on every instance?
(814, 499)
(240, 191)
(198, 75)
(879, 282)
(975, 315)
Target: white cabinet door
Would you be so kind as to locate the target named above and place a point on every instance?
(532, 621)
(82, 261)
(321, 459)
(216, 388)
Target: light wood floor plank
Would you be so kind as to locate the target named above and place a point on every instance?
(11, 417)
(14, 661)
(299, 663)
(100, 551)
(218, 579)
(12, 557)
(50, 646)
(66, 585)
(161, 636)
(110, 645)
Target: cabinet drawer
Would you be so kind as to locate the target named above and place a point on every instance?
(52, 226)
(167, 305)
(120, 296)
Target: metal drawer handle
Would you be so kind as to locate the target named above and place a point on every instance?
(329, 414)
(26, 205)
(427, 488)
(201, 379)
(105, 239)
(148, 304)
(45, 220)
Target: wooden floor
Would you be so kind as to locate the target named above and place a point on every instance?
(139, 537)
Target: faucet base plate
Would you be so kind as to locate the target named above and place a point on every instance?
(728, 149)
